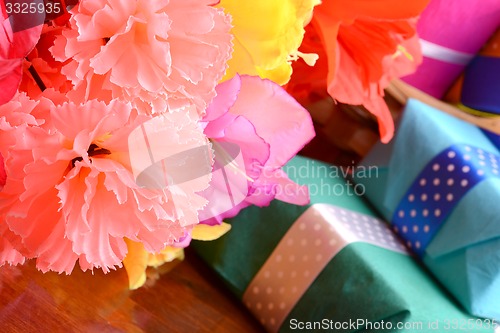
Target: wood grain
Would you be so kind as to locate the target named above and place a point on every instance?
(188, 299)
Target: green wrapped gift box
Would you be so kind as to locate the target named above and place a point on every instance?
(331, 265)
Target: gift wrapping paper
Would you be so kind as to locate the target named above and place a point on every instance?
(476, 91)
(330, 263)
(438, 184)
(451, 33)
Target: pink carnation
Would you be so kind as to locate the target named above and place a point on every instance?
(40, 69)
(70, 193)
(145, 51)
(15, 116)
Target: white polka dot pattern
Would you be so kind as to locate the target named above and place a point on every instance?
(436, 191)
(314, 239)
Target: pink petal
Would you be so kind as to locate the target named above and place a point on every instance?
(14, 46)
(41, 218)
(268, 127)
(17, 44)
(157, 64)
(63, 203)
(229, 185)
(227, 93)
(283, 189)
(90, 120)
(8, 253)
(278, 118)
(10, 77)
(55, 253)
(377, 106)
(96, 243)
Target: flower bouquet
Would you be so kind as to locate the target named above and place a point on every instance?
(128, 128)
(129, 125)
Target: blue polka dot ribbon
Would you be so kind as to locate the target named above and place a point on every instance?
(437, 190)
(494, 137)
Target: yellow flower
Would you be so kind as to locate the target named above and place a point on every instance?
(138, 259)
(267, 35)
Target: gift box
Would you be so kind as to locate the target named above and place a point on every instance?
(328, 265)
(438, 184)
(451, 33)
(476, 91)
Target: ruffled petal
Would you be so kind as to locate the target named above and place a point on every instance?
(38, 226)
(48, 70)
(70, 192)
(145, 52)
(8, 252)
(93, 119)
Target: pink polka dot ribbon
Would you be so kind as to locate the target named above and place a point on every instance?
(319, 234)
(437, 190)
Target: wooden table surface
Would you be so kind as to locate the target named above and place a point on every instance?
(189, 298)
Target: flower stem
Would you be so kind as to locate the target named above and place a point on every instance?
(37, 78)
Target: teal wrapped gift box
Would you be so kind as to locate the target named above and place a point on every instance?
(329, 265)
(438, 183)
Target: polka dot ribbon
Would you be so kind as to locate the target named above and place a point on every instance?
(436, 191)
(312, 241)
